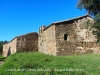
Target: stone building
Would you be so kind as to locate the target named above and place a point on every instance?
(27, 42)
(73, 36)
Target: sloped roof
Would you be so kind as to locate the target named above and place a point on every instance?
(66, 21)
(71, 19)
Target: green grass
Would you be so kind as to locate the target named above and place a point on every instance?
(2, 58)
(42, 64)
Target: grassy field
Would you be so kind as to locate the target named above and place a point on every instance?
(2, 58)
(41, 64)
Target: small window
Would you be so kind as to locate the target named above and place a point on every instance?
(65, 36)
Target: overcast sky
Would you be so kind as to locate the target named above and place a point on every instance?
(19, 17)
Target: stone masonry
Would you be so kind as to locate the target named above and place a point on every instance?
(73, 36)
(9, 48)
(67, 37)
(23, 43)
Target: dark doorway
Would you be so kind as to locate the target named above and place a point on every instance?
(9, 52)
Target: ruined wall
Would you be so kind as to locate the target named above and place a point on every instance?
(27, 42)
(80, 40)
(9, 48)
(47, 41)
(23, 43)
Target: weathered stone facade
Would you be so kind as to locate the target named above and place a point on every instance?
(27, 42)
(72, 36)
(10, 48)
(46, 40)
(67, 37)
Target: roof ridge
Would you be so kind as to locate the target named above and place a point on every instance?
(71, 19)
(66, 21)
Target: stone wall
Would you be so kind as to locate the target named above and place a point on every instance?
(27, 42)
(47, 41)
(23, 43)
(97, 49)
(65, 47)
(79, 40)
(9, 48)
(68, 37)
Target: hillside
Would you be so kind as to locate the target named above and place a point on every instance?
(42, 64)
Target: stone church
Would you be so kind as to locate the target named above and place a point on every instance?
(73, 36)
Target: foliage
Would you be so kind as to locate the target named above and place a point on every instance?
(41, 64)
(88, 24)
(93, 8)
(97, 25)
